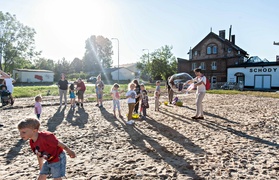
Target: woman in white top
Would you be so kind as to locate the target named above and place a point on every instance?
(199, 83)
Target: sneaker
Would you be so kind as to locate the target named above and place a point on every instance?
(130, 122)
(97, 105)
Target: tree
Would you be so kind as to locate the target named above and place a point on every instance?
(43, 63)
(16, 43)
(76, 65)
(98, 52)
(62, 66)
(161, 63)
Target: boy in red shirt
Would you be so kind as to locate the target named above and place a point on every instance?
(46, 146)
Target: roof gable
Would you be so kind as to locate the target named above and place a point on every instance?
(224, 41)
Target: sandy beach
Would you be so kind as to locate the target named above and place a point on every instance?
(238, 139)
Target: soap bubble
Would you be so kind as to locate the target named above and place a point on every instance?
(181, 82)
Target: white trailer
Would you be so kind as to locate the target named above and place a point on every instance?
(33, 75)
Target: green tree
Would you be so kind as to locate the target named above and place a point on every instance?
(62, 66)
(98, 52)
(160, 65)
(16, 43)
(43, 63)
(76, 65)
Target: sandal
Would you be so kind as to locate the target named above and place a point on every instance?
(194, 117)
(200, 117)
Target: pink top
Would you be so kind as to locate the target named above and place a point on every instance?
(38, 107)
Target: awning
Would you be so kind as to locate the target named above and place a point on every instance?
(239, 74)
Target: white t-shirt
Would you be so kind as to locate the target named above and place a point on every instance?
(9, 84)
(133, 98)
(201, 87)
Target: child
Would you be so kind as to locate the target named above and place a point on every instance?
(144, 103)
(38, 106)
(72, 95)
(156, 97)
(142, 87)
(99, 81)
(131, 95)
(100, 95)
(158, 89)
(46, 146)
(115, 99)
(5, 95)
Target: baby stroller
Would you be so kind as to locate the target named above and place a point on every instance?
(5, 95)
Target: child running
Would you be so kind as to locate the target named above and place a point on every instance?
(38, 106)
(115, 99)
(131, 95)
(46, 146)
(72, 95)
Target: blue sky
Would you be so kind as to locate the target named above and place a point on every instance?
(62, 26)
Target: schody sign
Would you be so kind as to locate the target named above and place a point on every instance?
(263, 70)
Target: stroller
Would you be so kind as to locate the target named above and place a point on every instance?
(5, 95)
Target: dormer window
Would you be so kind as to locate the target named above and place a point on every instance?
(211, 49)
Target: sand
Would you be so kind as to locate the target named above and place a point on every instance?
(238, 139)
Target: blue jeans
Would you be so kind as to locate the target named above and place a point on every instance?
(116, 104)
(57, 169)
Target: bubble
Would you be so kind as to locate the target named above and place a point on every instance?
(181, 82)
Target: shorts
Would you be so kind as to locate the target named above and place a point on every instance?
(100, 96)
(116, 103)
(56, 169)
(80, 94)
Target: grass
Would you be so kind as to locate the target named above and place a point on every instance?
(32, 91)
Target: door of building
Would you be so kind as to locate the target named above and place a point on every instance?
(262, 81)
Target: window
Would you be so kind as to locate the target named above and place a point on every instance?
(212, 49)
(229, 50)
(213, 65)
(208, 50)
(196, 53)
(194, 66)
(202, 66)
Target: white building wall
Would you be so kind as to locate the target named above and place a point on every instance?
(251, 74)
(124, 74)
(26, 76)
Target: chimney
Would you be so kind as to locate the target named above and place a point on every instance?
(230, 33)
(222, 34)
(233, 39)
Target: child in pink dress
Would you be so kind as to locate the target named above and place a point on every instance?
(38, 106)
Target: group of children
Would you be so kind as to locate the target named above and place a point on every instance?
(134, 99)
(49, 149)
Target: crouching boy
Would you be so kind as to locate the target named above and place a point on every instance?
(46, 146)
